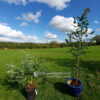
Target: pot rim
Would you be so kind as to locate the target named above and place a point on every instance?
(74, 86)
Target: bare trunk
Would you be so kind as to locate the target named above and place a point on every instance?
(77, 68)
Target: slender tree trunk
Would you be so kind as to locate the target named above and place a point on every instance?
(77, 68)
(77, 61)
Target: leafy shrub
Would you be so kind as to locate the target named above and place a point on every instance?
(24, 73)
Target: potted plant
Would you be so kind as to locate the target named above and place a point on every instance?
(80, 44)
(24, 76)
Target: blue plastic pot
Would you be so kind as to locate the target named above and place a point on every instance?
(74, 90)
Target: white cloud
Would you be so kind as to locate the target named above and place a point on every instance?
(18, 18)
(24, 24)
(98, 30)
(58, 4)
(84, 38)
(6, 31)
(5, 39)
(90, 36)
(62, 23)
(16, 2)
(49, 35)
(31, 38)
(60, 41)
(89, 30)
(96, 22)
(8, 34)
(29, 17)
(4, 24)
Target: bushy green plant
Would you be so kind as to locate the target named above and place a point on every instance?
(24, 73)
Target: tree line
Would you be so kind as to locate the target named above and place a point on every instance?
(11, 45)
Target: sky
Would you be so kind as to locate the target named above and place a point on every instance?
(41, 21)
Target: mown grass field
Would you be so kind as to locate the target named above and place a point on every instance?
(56, 60)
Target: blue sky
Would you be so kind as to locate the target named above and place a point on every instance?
(43, 20)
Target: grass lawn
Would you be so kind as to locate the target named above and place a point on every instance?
(56, 60)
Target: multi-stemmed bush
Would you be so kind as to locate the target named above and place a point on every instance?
(23, 74)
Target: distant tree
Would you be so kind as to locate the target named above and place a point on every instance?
(63, 44)
(45, 45)
(54, 44)
(97, 39)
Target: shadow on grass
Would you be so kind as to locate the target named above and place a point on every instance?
(8, 84)
(90, 65)
(61, 87)
(12, 86)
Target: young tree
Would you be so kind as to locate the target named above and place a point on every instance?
(81, 31)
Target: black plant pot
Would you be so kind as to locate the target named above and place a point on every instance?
(30, 95)
(74, 90)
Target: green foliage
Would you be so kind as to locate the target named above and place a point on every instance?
(24, 73)
(11, 45)
(54, 44)
(81, 32)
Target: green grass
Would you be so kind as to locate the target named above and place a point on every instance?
(56, 60)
